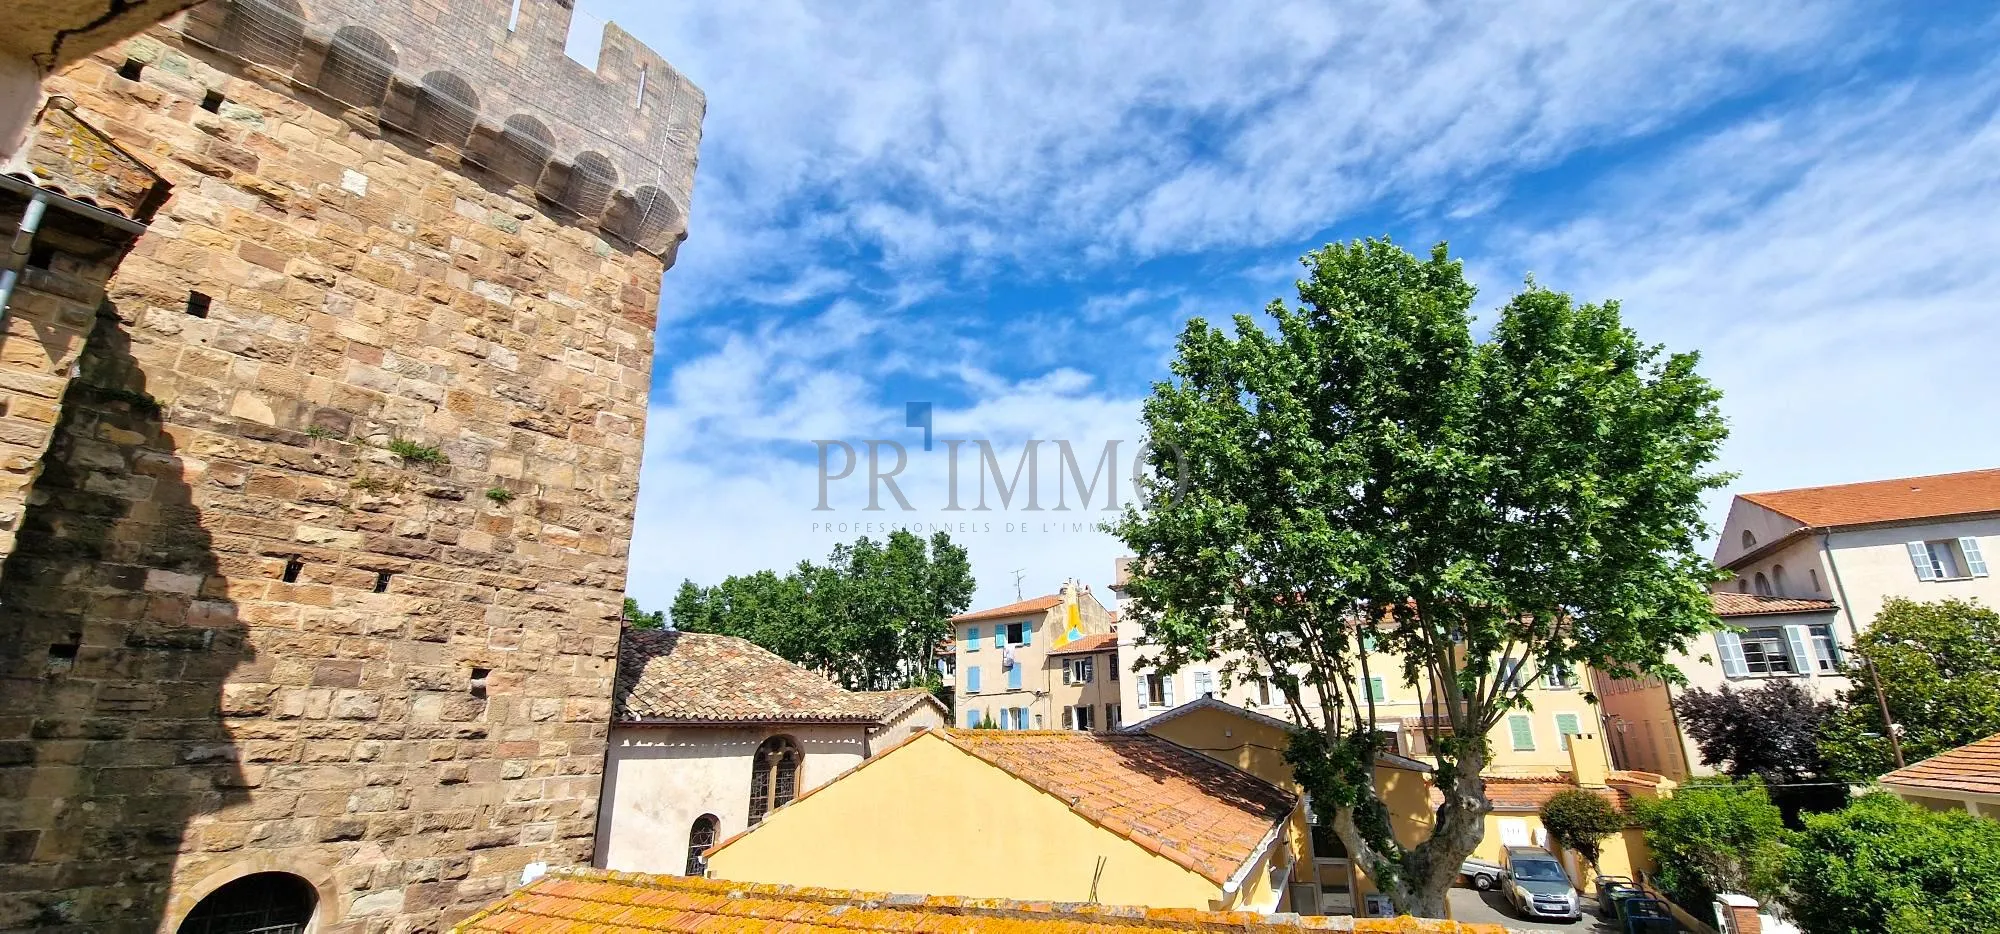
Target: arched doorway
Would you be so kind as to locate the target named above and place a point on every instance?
(259, 903)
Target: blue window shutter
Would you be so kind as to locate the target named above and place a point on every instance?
(1027, 633)
(972, 679)
(972, 639)
(971, 717)
(1014, 677)
(999, 637)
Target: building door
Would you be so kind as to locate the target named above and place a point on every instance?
(259, 903)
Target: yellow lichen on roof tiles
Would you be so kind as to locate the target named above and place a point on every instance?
(589, 901)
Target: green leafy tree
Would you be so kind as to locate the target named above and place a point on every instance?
(640, 619)
(1724, 836)
(871, 617)
(1939, 667)
(1491, 509)
(1580, 820)
(1885, 865)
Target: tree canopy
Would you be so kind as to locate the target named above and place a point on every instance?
(1580, 820)
(1490, 508)
(1771, 731)
(1884, 866)
(1939, 667)
(643, 619)
(871, 617)
(1722, 836)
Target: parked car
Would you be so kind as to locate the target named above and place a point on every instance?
(1537, 885)
(1481, 874)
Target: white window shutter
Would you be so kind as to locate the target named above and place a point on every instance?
(1167, 686)
(1921, 557)
(1730, 650)
(1974, 564)
(1800, 642)
(1145, 689)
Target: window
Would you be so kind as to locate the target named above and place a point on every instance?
(700, 837)
(1114, 716)
(1523, 730)
(1014, 678)
(774, 777)
(1111, 667)
(972, 679)
(1948, 559)
(971, 718)
(1377, 691)
(1559, 677)
(1080, 718)
(1566, 725)
(1020, 717)
(972, 639)
(1778, 581)
(1018, 633)
(1764, 652)
(1510, 671)
(1263, 693)
(1812, 576)
(1742, 586)
(1204, 684)
(1078, 670)
(1368, 642)
(1749, 540)
(1156, 691)
(1828, 653)
(1763, 585)
(275, 902)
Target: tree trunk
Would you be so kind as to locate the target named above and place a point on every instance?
(1430, 868)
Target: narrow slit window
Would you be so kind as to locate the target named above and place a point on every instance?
(212, 101)
(381, 581)
(132, 69)
(639, 99)
(198, 304)
(514, 16)
(292, 569)
(478, 683)
(41, 256)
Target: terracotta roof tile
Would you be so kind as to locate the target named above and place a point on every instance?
(1095, 642)
(593, 901)
(886, 704)
(1193, 810)
(1729, 603)
(1973, 767)
(1950, 494)
(688, 677)
(1023, 608)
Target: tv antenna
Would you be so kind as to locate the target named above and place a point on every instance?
(1017, 583)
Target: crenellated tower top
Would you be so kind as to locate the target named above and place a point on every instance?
(490, 81)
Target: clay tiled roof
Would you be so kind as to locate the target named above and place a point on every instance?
(1728, 603)
(1973, 767)
(1023, 608)
(688, 677)
(1095, 642)
(1193, 810)
(593, 901)
(1950, 494)
(886, 704)
(1529, 794)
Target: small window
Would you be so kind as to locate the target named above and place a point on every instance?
(1749, 540)
(700, 837)
(1204, 684)
(514, 16)
(1764, 652)
(1567, 724)
(1828, 651)
(1111, 667)
(41, 256)
(293, 569)
(476, 685)
(639, 99)
(132, 69)
(1559, 677)
(212, 101)
(774, 777)
(1377, 689)
(1812, 577)
(381, 581)
(1017, 633)
(1742, 585)
(1763, 585)
(1778, 581)
(1114, 716)
(1263, 693)
(197, 304)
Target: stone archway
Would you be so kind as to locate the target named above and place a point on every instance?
(260, 894)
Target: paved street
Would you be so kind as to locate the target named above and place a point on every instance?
(1492, 908)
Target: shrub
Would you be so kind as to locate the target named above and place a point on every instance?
(500, 494)
(1885, 865)
(420, 453)
(1711, 838)
(1580, 820)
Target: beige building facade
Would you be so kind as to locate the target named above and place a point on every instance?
(1809, 570)
(1035, 664)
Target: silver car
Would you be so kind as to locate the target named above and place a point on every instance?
(1537, 885)
(1481, 874)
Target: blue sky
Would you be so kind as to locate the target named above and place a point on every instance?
(1009, 210)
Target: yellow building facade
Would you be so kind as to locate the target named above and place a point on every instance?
(1056, 816)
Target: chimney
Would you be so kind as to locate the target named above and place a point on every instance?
(1587, 763)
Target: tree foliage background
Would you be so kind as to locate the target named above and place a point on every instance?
(1580, 820)
(1939, 665)
(1491, 509)
(1720, 836)
(871, 617)
(1885, 865)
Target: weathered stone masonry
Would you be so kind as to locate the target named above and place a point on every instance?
(243, 634)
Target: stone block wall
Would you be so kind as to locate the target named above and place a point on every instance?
(323, 569)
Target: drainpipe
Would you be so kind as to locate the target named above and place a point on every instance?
(1881, 699)
(17, 251)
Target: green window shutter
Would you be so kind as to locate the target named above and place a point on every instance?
(1376, 691)
(1566, 724)
(1524, 732)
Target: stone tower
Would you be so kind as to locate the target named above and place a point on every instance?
(324, 434)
